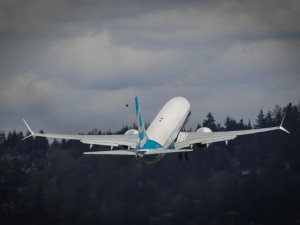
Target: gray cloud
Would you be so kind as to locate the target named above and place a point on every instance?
(72, 65)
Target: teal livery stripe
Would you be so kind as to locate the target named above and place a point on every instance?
(150, 144)
(141, 127)
(144, 142)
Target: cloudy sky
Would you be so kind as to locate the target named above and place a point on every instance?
(69, 66)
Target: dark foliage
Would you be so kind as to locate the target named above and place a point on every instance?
(253, 180)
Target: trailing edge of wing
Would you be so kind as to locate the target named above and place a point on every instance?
(208, 138)
(112, 152)
(111, 140)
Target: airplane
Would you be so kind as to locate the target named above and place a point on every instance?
(163, 136)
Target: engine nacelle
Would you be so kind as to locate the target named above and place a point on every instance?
(131, 131)
(203, 130)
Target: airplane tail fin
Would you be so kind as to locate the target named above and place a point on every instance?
(140, 123)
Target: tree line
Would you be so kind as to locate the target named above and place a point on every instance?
(253, 179)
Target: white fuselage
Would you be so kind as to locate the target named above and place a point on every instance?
(166, 126)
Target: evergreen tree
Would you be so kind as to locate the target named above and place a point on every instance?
(230, 124)
(65, 144)
(260, 121)
(2, 138)
(93, 132)
(13, 139)
(28, 144)
(241, 125)
(210, 122)
(277, 114)
(55, 145)
(269, 122)
(198, 126)
(292, 119)
(41, 145)
(123, 130)
(249, 126)
(219, 127)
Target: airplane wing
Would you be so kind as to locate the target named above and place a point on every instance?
(135, 151)
(113, 152)
(187, 139)
(129, 140)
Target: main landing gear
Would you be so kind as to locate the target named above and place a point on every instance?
(184, 155)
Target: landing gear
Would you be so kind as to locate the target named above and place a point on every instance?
(184, 155)
(180, 156)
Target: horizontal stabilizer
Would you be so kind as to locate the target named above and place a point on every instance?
(135, 151)
(165, 151)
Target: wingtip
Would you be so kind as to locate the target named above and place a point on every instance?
(30, 135)
(283, 129)
(282, 119)
(28, 127)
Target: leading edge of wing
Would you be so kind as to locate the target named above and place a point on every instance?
(108, 140)
(208, 138)
(135, 151)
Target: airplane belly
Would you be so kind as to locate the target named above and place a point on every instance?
(169, 121)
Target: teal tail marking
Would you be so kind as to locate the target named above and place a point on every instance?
(144, 142)
(141, 127)
(150, 144)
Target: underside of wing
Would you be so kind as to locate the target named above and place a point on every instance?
(129, 140)
(191, 138)
(112, 152)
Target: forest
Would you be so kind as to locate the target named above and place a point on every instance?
(254, 179)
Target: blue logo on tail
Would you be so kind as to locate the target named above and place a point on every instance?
(144, 142)
(141, 127)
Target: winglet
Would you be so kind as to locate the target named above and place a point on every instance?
(281, 127)
(285, 130)
(31, 132)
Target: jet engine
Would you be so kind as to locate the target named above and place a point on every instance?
(131, 131)
(203, 130)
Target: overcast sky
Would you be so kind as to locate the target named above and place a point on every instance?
(69, 66)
